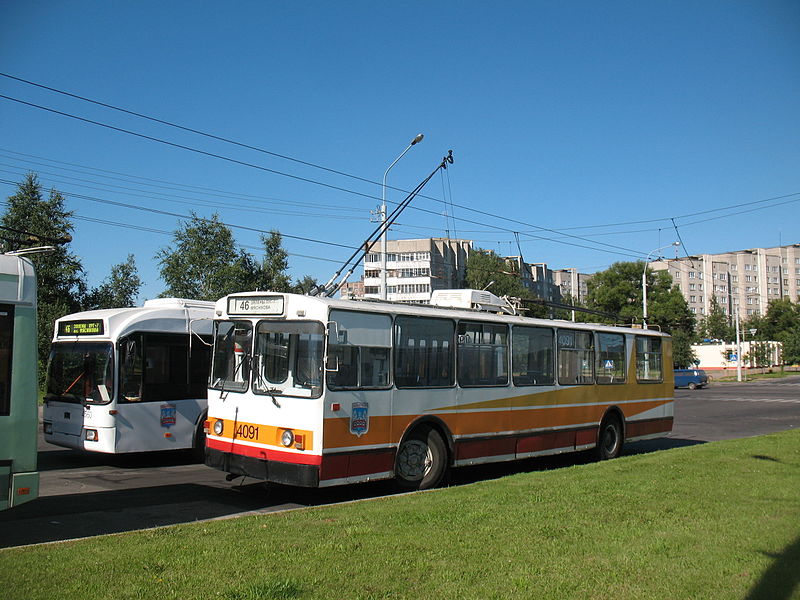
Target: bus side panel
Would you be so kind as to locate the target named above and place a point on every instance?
(167, 425)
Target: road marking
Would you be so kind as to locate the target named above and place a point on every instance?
(778, 400)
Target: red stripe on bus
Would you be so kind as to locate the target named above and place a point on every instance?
(339, 466)
(264, 453)
(635, 429)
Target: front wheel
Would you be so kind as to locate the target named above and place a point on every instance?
(610, 438)
(692, 385)
(421, 460)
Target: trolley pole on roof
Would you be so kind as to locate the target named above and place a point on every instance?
(416, 140)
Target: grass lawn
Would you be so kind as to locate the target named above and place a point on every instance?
(719, 520)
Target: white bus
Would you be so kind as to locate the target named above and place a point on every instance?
(313, 391)
(130, 379)
(19, 396)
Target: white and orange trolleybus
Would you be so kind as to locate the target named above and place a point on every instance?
(130, 379)
(315, 391)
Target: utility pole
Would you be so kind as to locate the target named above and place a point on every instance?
(738, 349)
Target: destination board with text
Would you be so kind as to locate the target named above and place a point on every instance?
(255, 305)
(84, 327)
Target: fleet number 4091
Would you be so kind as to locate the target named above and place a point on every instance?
(248, 432)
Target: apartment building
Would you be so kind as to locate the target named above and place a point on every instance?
(537, 278)
(414, 268)
(742, 281)
(571, 283)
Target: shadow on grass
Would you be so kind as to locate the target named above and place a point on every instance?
(782, 578)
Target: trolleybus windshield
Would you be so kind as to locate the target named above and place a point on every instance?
(288, 359)
(80, 372)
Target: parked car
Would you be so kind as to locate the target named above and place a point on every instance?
(691, 378)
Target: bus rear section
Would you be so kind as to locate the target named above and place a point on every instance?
(130, 379)
(19, 479)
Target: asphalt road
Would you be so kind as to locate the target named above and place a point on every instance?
(87, 494)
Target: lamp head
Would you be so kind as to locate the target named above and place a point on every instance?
(417, 139)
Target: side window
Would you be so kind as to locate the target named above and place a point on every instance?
(532, 356)
(199, 364)
(424, 354)
(6, 345)
(131, 369)
(610, 366)
(648, 359)
(482, 354)
(359, 350)
(575, 357)
(166, 367)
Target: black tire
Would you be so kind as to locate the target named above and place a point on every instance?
(692, 385)
(199, 447)
(610, 438)
(421, 460)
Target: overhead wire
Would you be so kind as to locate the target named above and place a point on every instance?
(299, 161)
(627, 251)
(189, 217)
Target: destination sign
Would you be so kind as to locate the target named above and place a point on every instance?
(85, 327)
(255, 305)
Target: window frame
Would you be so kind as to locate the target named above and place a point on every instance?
(479, 347)
(599, 358)
(575, 350)
(399, 351)
(553, 369)
(659, 353)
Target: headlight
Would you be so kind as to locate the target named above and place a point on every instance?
(218, 426)
(287, 438)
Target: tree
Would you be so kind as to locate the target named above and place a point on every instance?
(782, 323)
(59, 273)
(485, 270)
(304, 285)
(618, 290)
(683, 357)
(488, 271)
(206, 264)
(715, 326)
(118, 290)
(271, 273)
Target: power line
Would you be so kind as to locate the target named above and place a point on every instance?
(171, 185)
(189, 217)
(295, 160)
(305, 179)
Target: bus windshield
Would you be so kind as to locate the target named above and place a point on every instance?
(288, 359)
(80, 372)
(233, 345)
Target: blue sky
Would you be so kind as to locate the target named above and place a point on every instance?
(562, 117)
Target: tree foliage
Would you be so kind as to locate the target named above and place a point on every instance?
(618, 290)
(488, 271)
(120, 289)
(780, 323)
(485, 270)
(206, 264)
(715, 325)
(59, 273)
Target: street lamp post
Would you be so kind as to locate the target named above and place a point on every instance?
(416, 140)
(644, 281)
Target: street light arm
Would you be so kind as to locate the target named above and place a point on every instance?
(644, 280)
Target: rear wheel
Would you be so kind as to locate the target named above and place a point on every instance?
(199, 447)
(421, 460)
(692, 385)
(610, 440)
